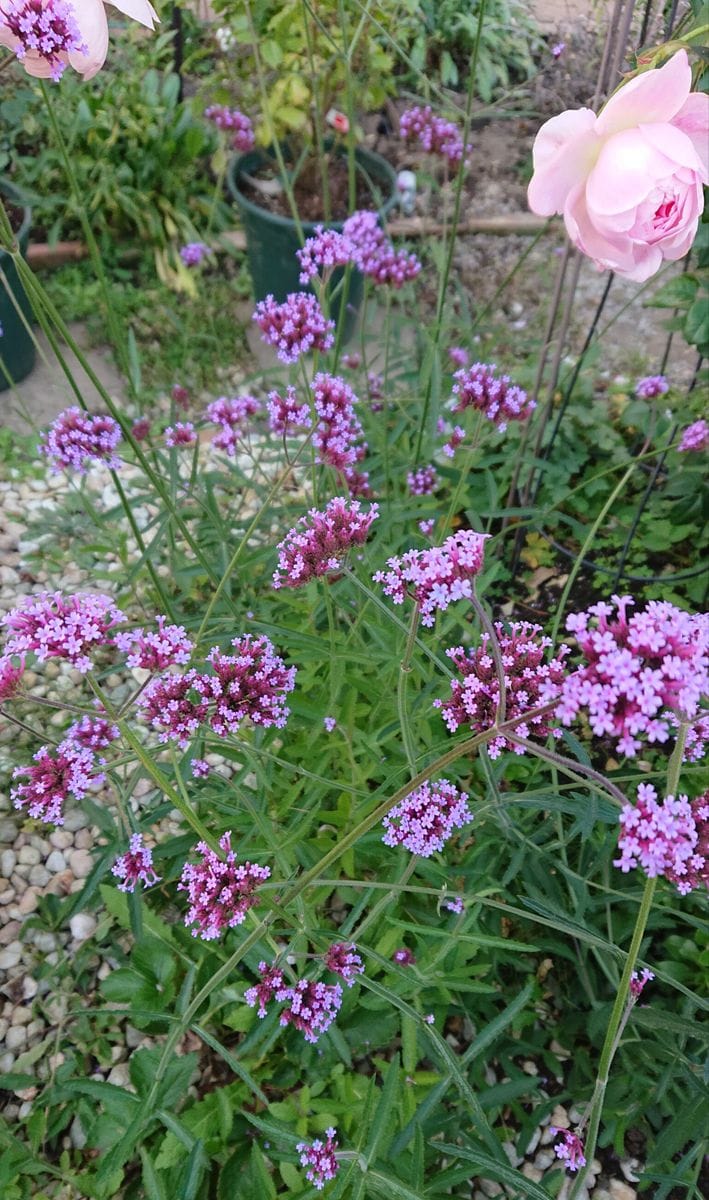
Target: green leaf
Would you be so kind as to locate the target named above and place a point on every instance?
(173, 1085)
(494, 1169)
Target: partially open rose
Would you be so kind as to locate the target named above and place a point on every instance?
(628, 181)
(47, 34)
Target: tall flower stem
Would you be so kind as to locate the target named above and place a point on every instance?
(404, 672)
(612, 1040)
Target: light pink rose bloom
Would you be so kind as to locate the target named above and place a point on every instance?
(47, 34)
(628, 181)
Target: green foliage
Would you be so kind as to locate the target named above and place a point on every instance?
(141, 155)
(439, 38)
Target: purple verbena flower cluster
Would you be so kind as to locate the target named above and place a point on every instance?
(155, 649)
(182, 433)
(10, 676)
(324, 251)
(404, 957)
(171, 705)
(637, 670)
(220, 893)
(135, 866)
(140, 429)
(495, 396)
(423, 481)
(180, 395)
(455, 905)
(252, 683)
(46, 28)
(569, 1149)
(427, 527)
(321, 540)
(435, 135)
(459, 356)
(232, 121)
(338, 428)
(311, 1006)
(320, 1159)
(233, 416)
(194, 253)
(286, 413)
(295, 326)
(425, 819)
(76, 439)
(52, 777)
(651, 386)
(56, 626)
(200, 768)
(93, 733)
(455, 440)
(638, 981)
(669, 839)
(530, 681)
(343, 960)
(262, 993)
(375, 255)
(435, 578)
(329, 723)
(694, 437)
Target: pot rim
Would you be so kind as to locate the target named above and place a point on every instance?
(11, 193)
(237, 163)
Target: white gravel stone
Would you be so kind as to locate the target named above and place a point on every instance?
(29, 856)
(82, 926)
(119, 1075)
(618, 1188)
(8, 860)
(10, 956)
(30, 987)
(16, 1038)
(6, 1064)
(55, 862)
(61, 839)
(39, 875)
(81, 863)
(544, 1159)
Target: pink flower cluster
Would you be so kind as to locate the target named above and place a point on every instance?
(56, 626)
(343, 960)
(76, 439)
(669, 839)
(93, 733)
(171, 705)
(250, 684)
(311, 1006)
(233, 416)
(10, 676)
(324, 251)
(437, 577)
(495, 396)
(286, 413)
(320, 1159)
(193, 253)
(694, 437)
(530, 681)
(637, 670)
(423, 481)
(47, 29)
(135, 866)
(220, 893)
(651, 386)
(182, 433)
(638, 981)
(320, 541)
(435, 135)
(232, 121)
(425, 819)
(295, 326)
(155, 650)
(338, 427)
(570, 1149)
(53, 776)
(375, 255)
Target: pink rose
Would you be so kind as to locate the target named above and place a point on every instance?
(628, 181)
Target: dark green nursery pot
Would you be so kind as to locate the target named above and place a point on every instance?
(272, 240)
(17, 352)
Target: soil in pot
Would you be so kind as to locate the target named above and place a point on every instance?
(308, 192)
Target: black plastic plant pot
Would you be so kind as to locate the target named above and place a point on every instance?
(17, 351)
(272, 240)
